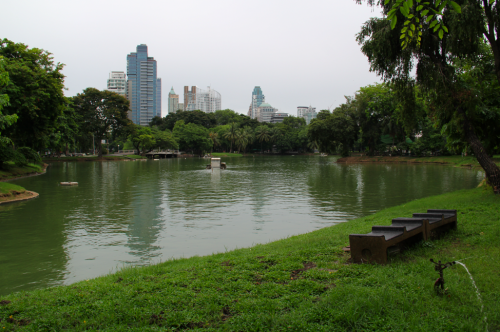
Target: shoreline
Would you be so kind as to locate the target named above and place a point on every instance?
(26, 175)
(304, 282)
(27, 195)
(459, 161)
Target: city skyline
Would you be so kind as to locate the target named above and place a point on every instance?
(305, 55)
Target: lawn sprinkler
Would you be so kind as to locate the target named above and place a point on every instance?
(440, 267)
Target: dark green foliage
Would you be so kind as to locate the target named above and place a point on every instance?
(30, 154)
(454, 102)
(8, 154)
(192, 137)
(101, 113)
(196, 117)
(35, 91)
(335, 131)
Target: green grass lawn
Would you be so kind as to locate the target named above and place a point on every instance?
(15, 171)
(135, 156)
(302, 283)
(453, 160)
(226, 154)
(6, 187)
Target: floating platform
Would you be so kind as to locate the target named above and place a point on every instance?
(216, 163)
(69, 183)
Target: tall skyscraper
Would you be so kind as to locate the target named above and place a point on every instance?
(144, 90)
(158, 97)
(207, 101)
(257, 99)
(117, 82)
(173, 102)
(189, 97)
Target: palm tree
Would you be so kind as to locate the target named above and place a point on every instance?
(243, 137)
(231, 134)
(313, 145)
(274, 134)
(262, 134)
(214, 137)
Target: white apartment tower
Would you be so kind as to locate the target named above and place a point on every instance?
(117, 82)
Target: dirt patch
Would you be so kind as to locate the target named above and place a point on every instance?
(226, 313)
(227, 263)
(4, 302)
(307, 266)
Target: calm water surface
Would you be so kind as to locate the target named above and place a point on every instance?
(143, 212)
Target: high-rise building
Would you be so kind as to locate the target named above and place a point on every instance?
(278, 117)
(158, 97)
(117, 82)
(257, 99)
(173, 102)
(189, 97)
(308, 113)
(143, 89)
(207, 101)
(265, 112)
(180, 107)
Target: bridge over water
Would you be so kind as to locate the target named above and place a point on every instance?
(163, 154)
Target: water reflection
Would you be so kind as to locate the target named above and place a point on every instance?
(141, 212)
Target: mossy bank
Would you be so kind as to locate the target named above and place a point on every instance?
(302, 283)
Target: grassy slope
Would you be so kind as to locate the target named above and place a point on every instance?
(6, 187)
(255, 289)
(15, 171)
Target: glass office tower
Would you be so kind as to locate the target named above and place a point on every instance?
(143, 86)
(257, 99)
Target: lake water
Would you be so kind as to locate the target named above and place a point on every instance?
(142, 212)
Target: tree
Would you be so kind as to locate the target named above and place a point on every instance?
(35, 90)
(5, 120)
(102, 113)
(262, 134)
(226, 116)
(334, 131)
(197, 117)
(65, 130)
(244, 136)
(231, 134)
(452, 101)
(214, 137)
(164, 139)
(142, 138)
(192, 137)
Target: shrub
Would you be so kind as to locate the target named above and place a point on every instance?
(7, 153)
(30, 154)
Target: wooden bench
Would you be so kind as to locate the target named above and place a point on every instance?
(403, 232)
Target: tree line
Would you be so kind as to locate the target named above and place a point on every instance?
(400, 115)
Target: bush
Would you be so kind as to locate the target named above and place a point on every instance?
(7, 153)
(30, 154)
(105, 151)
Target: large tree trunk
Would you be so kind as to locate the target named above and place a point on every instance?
(490, 168)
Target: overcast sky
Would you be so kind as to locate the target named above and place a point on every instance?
(300, 53)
